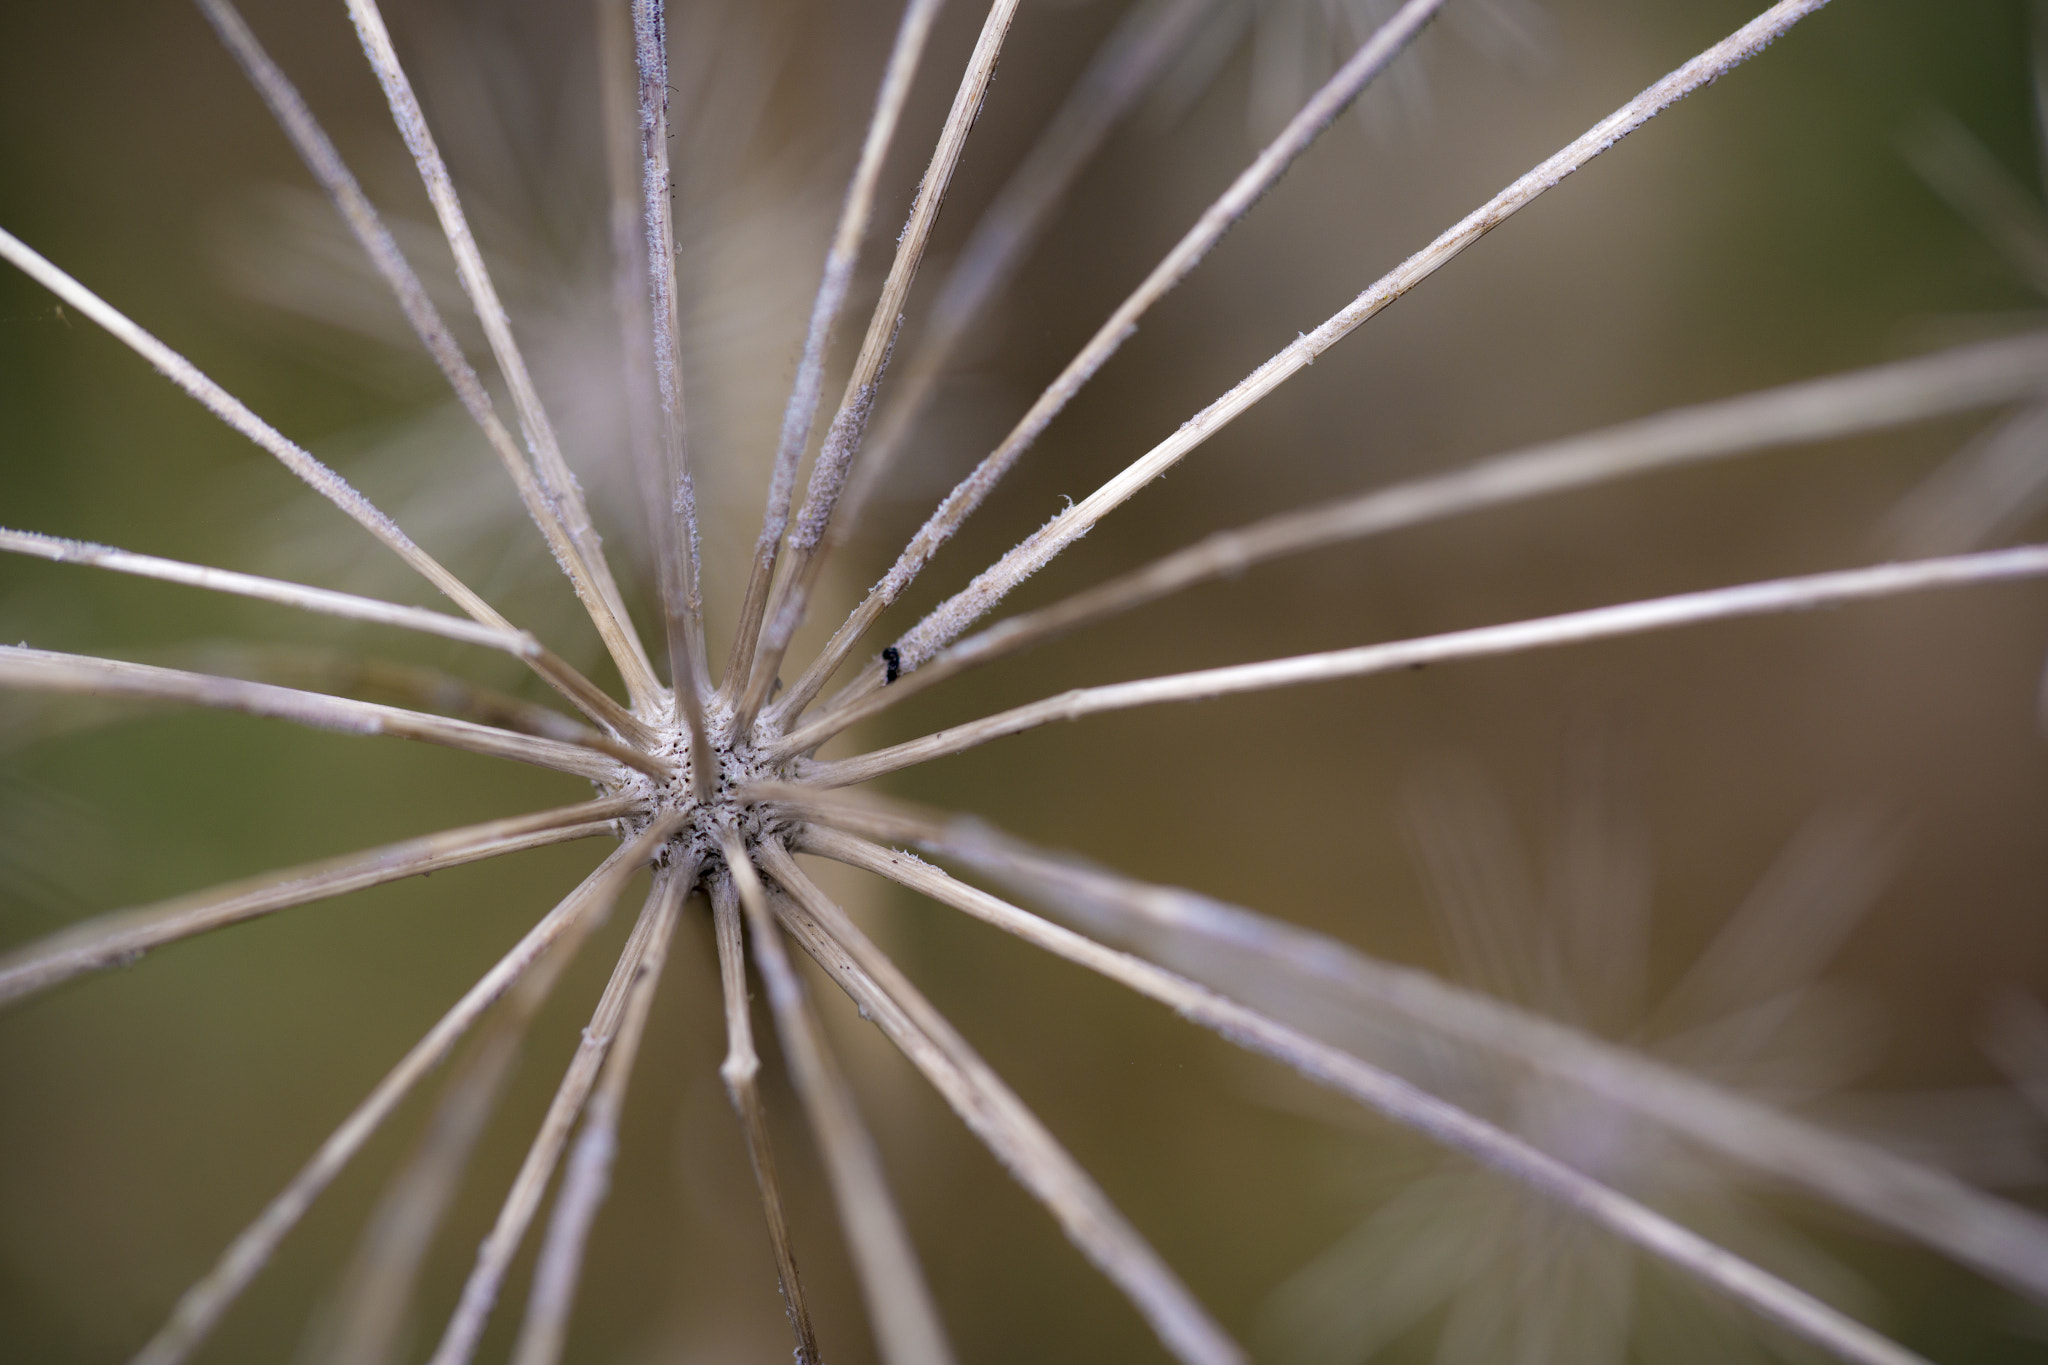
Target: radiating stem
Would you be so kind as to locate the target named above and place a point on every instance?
(587, 1175)
(1579, 627)
(121, 936)
(849, 425)
(741, 1072)
(544, 497)
(1406, 1105)
(946, 622)
(841, 257)
(1817, 410)
(899, 1303)
(678, 502)
(204, 1304)
(327, 602)
(47, 671)
(1002, 1121)
(1322, 109)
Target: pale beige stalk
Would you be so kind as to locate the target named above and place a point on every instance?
(675, 511)
(901, 1313)
(945, 622)
(1412, 1108)
(1005, 1125)
(319, 669)
(47, 671)
(741, 1072)
(850, 423)
(798, 416)
(1579, 627)
(1372, 57)
(517, 643)
(120, 936)
(580, 559)
(203, 1305)
(1818, 410)
(551, 468)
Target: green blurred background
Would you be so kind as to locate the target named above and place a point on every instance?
(1767, 230)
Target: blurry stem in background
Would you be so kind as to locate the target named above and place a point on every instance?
(2003, 1240)
(202, 1306)
(1402, 1103)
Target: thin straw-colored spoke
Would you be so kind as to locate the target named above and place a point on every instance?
(1235, 950)
(121, 936)
(1002, 1121)
(325, 601)
(369, 1311)
(849, 425)
(945, 622)
(619, 88)
(414, 685)
(899, 1303)
(404, 684)
(553, 472)
(678, 503)
(231, 410)
(44, 670)
(323, 480)
(1579, 627)
(1322, 108)
(203, 1305)
(362, 1325)
(517, 643)
(1143, 43)
(586, 1177)
(741, 1072)
(1817, 410)
(840, 259)
(638, 963)
(1404, 1104)
(599, 596)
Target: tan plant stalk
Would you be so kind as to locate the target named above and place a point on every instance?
(714, 790)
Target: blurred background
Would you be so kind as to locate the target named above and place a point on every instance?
(1878, 770)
